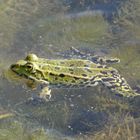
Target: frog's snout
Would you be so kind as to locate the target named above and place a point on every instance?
(14, 67)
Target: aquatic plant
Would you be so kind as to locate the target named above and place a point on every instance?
(127, 18)
(129, 128)
(15, 130)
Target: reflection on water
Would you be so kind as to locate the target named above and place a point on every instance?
(47, 27)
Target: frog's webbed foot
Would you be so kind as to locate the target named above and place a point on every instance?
(45, 94)
(118, 85)
(35, 101)
(31, 84)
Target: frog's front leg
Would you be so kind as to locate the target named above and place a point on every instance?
(45, 93)
(74, 53)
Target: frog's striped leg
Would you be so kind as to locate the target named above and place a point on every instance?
(118, 84)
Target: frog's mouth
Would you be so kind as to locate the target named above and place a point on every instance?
(16, 70)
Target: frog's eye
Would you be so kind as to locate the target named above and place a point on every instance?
(29, 66)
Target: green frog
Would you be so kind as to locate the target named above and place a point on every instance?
(84, 71)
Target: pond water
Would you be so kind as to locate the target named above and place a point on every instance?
(49, 29)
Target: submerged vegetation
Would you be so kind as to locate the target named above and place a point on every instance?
(70, 30)
(128, 18)
(15, 130)
(128, 129)
(121, 129)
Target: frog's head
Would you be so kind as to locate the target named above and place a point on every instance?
(26, 68)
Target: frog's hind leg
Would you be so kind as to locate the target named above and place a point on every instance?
(118, 85)
(75, 53)
(95, 58)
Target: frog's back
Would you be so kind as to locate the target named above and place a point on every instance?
(83, 69)
(67, 62)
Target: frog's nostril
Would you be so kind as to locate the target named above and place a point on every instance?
(12, 66)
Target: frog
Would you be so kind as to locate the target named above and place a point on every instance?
(80, 71)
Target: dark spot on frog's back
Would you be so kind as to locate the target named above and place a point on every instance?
(72, 72)
(84, 75)
(76, 78)
(125, 87)
(100, 66)
(108, 79)
(71, 65)
(104, 72)
(61, 75)
(70, 69)
(51, 74)
(73, 81)
(112, 61)
(113, 71)
(86, 65)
